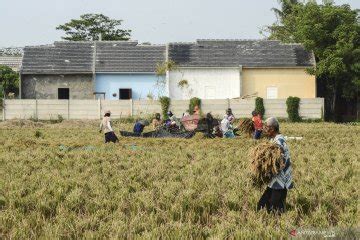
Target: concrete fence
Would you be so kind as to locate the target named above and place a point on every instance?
(94, 109)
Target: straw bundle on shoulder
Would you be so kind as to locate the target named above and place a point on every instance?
(266, 161)
(246, 126)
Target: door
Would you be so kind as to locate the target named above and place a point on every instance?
(272, 93)
(125, 93)
(63, 93)
(209, 92)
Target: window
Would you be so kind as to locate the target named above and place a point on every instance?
(63, 93)
(125, 93)
(99, 95)
(272, 93)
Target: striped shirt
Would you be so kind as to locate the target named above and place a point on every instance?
(282, 180)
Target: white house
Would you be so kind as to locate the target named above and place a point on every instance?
(219, 69)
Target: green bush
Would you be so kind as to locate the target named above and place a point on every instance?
(194, 102)
(259, 106)
(38, 134)
(292, 104)
(165, 105)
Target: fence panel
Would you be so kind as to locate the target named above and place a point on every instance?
(52, 109)
(20, 109)
(178, 107)
(146, 107)
(242, 108)
(84, 109)
(118, 108)
(217, 107)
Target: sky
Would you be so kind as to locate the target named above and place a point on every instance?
(33, 22)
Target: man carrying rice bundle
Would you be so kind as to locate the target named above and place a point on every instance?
(274, 197)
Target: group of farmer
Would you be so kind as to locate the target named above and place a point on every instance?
(274, 197)
(225, 129)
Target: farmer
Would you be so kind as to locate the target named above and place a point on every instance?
(157, 122)
(226, 127)
(139, 126)
(258, 125)
(172, 122)
(230, 115)
(196, 110)
(274, 197)
(105, 126)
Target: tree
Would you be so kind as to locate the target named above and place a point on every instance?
(279, 31)
(333, 34)
(91, 26)
(9, 81)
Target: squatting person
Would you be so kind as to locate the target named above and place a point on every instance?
(157, 122)
(226, 127)
(274, 197)
(105, 126)
(139, 127)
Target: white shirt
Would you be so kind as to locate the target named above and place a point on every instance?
(105, 125)
(225, 125)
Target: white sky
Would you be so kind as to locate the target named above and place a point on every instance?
(33, 22)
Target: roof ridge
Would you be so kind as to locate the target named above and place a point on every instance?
(39, 46)
(81, 42)
(235, 39)
(181, 43)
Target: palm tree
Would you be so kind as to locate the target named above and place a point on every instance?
(286, 8)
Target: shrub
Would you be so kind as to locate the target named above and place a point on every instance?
(194, 102)
(292, 104)
(165, 105)
(183, 83)
(38, 134)
(162, 68)
(259, 106)
(58, 120)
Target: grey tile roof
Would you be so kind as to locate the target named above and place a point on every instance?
(59, 58)
(11, 61)
(77, 57)
(128, 57)
(232, 53)
(119, 56)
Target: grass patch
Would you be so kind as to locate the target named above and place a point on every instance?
(61, 181)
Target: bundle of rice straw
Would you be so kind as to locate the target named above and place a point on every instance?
(246, 126)
(266, 161)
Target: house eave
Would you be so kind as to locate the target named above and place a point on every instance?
(152, 73)
(54, 73)
(245, 67)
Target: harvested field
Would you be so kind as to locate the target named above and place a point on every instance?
(61, 181)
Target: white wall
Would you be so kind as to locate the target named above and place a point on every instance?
(94, 109)
(205, 83)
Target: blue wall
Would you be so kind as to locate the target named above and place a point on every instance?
(141, 84)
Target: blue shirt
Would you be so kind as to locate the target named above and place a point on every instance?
(138, 128)
(282, 180)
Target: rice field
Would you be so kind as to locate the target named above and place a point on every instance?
(61, 181)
